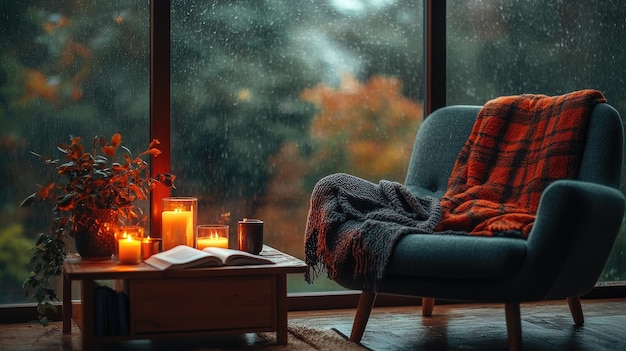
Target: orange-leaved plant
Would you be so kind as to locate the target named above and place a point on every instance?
(109, 177)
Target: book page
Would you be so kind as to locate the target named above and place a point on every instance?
(236, 257)
(181, 254)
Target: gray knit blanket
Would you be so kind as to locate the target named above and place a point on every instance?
(353, 226)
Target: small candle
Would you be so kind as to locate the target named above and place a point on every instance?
(130, 251)
(212, 235)
(149, 246)
(127, 231)
(212, 242)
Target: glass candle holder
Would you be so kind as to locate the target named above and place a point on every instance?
(150, 246)
(212, 235)
(179, 218)
(126, 231)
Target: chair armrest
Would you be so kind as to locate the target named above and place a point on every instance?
(576, 225)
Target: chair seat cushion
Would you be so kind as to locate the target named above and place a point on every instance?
(456, 256)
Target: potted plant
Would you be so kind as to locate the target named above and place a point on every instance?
(99, 188)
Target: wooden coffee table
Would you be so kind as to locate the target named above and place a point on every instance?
(187, 302)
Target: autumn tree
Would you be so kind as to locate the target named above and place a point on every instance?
(366, 129)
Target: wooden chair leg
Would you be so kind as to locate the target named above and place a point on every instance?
(363, 310)
(576, 309)
(427, 306)
(513, 325)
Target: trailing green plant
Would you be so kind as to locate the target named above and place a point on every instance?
(104, 178)
(46, 262)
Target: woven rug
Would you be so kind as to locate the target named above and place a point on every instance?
(302, 337)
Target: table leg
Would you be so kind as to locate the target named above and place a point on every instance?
(67, 305)
(87, 302)
(281, 309)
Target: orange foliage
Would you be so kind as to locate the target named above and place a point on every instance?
(37, 84)
(116, 140)
(372, 124)
(74, 67)
(72, 52)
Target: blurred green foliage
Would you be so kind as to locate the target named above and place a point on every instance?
(14, 256)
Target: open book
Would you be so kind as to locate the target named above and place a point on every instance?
(183, 256)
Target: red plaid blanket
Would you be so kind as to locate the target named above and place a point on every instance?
(517, 147)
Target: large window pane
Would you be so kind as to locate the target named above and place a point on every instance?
(269, 96)
(550, 47)
(66, 68)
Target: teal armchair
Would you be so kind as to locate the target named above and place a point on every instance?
(576, 225)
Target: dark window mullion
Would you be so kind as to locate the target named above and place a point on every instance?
(435, 55)
(160, 105)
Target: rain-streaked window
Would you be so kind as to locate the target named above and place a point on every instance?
(270, 96)
(67, 68)
(267, 97)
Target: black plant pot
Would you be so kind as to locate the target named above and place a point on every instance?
(94, 234)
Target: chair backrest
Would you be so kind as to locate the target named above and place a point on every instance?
(444, 132)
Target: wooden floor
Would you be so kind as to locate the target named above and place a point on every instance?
(545, 326)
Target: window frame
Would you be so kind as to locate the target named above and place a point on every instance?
(160, 123)
(160, 100)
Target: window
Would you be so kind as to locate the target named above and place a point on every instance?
(263, 92)
(71, 68)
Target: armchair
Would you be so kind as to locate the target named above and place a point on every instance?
(576, 224)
